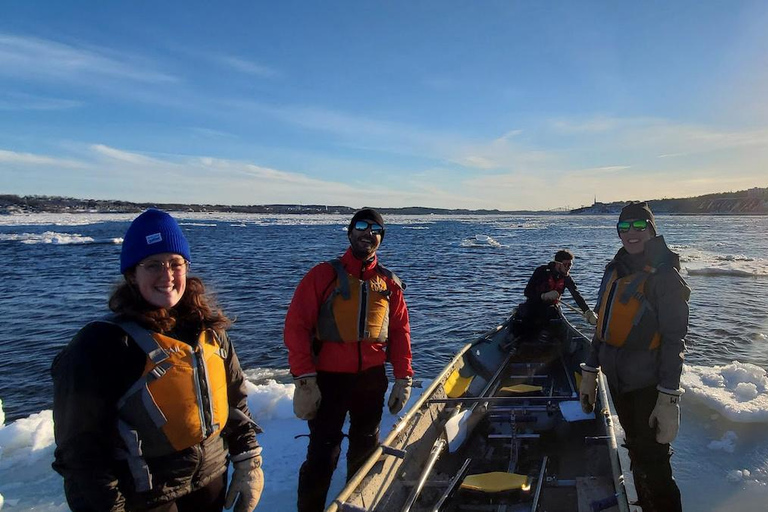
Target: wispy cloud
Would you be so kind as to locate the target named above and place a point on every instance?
(246, 66)
(13, 157)
(593, 125)
(124, 156)
(22, 101)
(34, 58)
(608, 169)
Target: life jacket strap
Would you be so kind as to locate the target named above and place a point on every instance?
(645, 305)
(341, 274)
(388, 273)
(133, 455)
(143, 382)
(632, 287)
(141, 336)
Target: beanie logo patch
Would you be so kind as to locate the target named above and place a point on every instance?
(154, 238)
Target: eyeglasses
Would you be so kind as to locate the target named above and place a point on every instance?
(155, 268)
(362, 225)
(639, 225)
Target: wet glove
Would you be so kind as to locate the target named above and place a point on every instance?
(666, 415)
(401, 391)
(247, 483)
(306, 397)
(550, 296)
(591, 317)
(588, 388)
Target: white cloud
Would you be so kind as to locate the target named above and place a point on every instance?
(246, 66)
(13, 157)
(124, 156)
(34, 58)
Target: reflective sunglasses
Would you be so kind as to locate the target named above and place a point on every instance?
(639, 225)
(155, 268)
(362, 225)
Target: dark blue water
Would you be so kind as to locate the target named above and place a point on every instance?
(463, 275)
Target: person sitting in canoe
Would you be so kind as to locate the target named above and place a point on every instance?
(347, 318)
(639, 345)
(543, 292)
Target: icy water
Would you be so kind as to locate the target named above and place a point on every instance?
(463, 275)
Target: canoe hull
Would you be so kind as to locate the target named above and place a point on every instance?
(517, 396)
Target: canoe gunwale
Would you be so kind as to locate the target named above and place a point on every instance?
(407, 418)
(425, 419)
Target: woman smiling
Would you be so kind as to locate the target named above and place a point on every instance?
(150, 401)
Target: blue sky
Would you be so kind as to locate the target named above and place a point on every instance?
(471, 104)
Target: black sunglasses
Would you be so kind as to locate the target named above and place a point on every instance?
(362, 225)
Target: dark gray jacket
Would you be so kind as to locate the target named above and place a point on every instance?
(90, 375)
(628, 369)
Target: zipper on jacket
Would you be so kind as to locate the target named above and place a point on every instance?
(362, 324)
(203, 404)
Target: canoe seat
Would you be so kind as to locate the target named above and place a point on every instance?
(521, 388)
(456, 385)
(496, 481)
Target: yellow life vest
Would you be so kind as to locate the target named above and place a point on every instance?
(181, 397)
(356, 310)
(626, 318)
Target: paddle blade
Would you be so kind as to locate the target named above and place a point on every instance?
(456, 430)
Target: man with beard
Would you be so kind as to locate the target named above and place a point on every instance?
(543, 292)
(347, 318)
(639, 344)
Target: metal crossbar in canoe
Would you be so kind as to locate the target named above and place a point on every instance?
(500, 429)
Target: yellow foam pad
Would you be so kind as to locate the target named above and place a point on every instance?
(496, 481)
(456, 385)
(521, 388)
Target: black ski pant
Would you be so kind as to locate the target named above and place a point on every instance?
(206, 499)
(532, 316)
(656, 488)
(362, 396)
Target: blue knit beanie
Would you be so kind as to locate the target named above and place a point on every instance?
(152, 232)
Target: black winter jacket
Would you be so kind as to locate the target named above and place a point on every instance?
(539, 283)
(90, 374)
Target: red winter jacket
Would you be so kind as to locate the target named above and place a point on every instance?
(301, 323)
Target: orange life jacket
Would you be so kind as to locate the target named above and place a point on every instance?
(626, 318)
(179, 401)
(356, 310)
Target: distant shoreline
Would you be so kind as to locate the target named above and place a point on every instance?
(385, 211)
(746, 202)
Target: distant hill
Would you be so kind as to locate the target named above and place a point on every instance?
(51, 204)
(745, 202)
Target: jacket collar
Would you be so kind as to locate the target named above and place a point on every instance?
(552, 268)
(358, 267)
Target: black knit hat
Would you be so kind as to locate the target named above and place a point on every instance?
(638, 210)
(367, 214)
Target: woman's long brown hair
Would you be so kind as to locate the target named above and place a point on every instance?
(196, 309)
